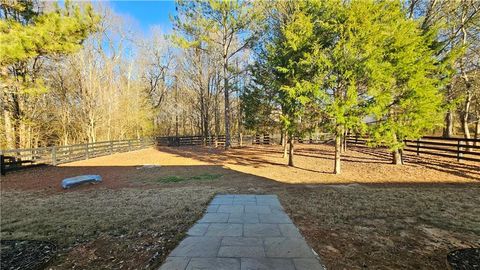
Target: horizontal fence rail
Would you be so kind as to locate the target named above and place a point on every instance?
(17, 159)
(455, 148)
(219, 140)
(197, 140)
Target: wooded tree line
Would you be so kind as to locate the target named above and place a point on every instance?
(391, 70)
(98, 79)
(69, 76)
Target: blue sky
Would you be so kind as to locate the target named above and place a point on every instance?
(147, 13)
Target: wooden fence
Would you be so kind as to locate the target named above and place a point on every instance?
(17, 159)
(215, 141)
(190, 140)
(455, 148)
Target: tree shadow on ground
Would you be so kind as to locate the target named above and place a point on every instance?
(260, 156)
(450, 166)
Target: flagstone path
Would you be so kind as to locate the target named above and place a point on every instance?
(243, 232)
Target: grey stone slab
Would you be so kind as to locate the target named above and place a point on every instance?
(214, 264)
(248, 197)
(214, 218)
(245, 218)
(275, 203)
(259, 209)
(245, 201)
(198, 229)
(266, 264)
(221, 200)
(224, 229)
(212, 208)
(225, 196)
(175, 263)
(251, 232)
(268, 200)
(200, 246)
(308, 264)
(261, 230)
(286, 247)
(241, 252)
(277, 209)
(289, 230)
(239, 202)
(241, 241)
(274, 218)
(231, 209)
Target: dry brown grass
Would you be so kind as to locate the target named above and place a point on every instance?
(125, 228)
(358, 227)
(375, 215)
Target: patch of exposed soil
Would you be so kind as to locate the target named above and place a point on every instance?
(464, 259)
(25, 254)
(141, 251)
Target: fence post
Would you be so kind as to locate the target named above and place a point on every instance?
(111, 147)
(2, 164)
(459, 155)
(54, 155)
(129, 145)
(418, 147)
(241, 140)
(86, 151)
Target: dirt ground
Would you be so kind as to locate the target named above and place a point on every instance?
(373, 216)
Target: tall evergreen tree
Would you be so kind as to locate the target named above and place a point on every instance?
(407, 102)
(374, 62)
(290, 56)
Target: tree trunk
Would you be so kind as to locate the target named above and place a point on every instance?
(9, 130)
(468, 85)
(396, 154)
(205, 125)
(344, 141)
(282, 138)
(397, 157)
(226, 91)
(338, 153)
(448, 130)
(466, 129)
(477, 132)
(290, 151)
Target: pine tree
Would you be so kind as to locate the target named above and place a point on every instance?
(290, 56)
(376, 63)
(405, 98)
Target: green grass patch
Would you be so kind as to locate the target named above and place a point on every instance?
(200, 177)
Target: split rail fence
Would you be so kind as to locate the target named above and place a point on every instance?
(16, 159)
(219, 140)
(455, 148)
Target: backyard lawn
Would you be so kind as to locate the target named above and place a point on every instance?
(373, 216)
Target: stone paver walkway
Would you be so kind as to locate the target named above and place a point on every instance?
(243, 232)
